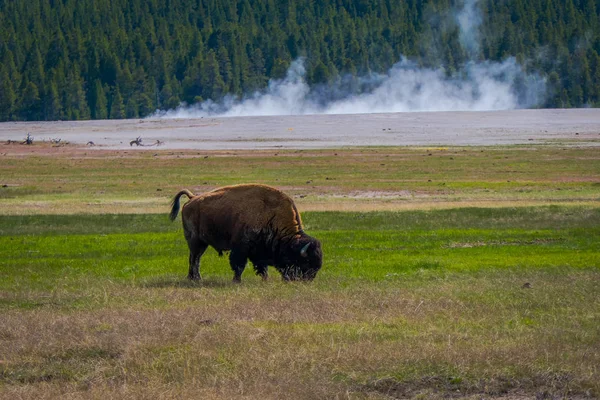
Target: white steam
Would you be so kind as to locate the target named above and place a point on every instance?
(406, 87)
(469, 19)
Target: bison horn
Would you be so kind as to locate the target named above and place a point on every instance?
(304, 250)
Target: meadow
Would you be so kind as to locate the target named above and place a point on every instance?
(42, 179)
(448, 273)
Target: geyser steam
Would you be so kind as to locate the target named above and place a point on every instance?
(406, 87)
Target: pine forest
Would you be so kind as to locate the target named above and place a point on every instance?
(99, 59)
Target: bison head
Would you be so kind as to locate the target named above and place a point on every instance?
(301, 260)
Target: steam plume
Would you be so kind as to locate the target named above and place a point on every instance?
(406, 87)
(469, 19)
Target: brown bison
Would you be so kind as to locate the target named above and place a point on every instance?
(255, 222)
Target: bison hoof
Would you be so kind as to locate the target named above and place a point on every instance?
(195, 278)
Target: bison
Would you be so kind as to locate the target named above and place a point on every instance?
(254, 222)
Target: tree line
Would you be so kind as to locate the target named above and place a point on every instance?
(97, 59)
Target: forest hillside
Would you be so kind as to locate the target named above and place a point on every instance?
(98, 59)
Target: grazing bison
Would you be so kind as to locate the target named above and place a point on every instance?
(255, 222)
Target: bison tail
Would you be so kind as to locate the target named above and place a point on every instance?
(175, 203)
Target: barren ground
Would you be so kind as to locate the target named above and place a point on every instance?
(574, 126)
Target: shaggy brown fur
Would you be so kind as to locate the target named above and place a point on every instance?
(255, 222)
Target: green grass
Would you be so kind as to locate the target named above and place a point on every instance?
(374, 245)
(424, 304)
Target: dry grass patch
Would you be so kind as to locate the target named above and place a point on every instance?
(90, 181)
(456, 336)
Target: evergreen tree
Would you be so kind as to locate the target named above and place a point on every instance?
(146, 105)
(76, 103)
(99, 101)
(319, 74)
(279, 68)
(212, 81)
(29, 107)
(53, 107)
(131, 110)
(36, 72)
(256, 74)
(117, 109)
(225, 69)
(7, 96)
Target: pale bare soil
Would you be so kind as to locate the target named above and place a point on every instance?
(574, 126)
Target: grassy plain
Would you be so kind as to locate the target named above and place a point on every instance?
(436, 299)
(58, 180)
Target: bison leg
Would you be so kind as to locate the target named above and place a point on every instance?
(262, 270)
(238, 259)
(197, 248)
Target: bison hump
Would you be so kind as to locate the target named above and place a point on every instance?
(254, 205)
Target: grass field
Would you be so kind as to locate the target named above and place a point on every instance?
(442, 300)
(43, 179)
